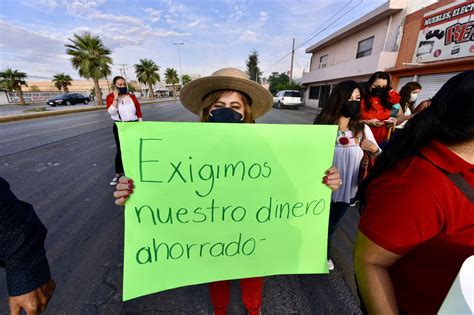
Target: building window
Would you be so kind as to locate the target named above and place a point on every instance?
(313, 92)
(323, 60)
(365, 47)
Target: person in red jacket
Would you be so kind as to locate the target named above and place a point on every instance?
(417, 227)
(377, 105)
(124, 107)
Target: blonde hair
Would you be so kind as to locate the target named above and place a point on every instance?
(213, 97)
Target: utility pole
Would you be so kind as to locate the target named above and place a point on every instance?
(180, 70)
(292, 57)
(123, 68)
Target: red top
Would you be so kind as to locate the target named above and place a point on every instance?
(110, 99)
(379, 112)
(431, 225)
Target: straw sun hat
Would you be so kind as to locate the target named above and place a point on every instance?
(192, 95)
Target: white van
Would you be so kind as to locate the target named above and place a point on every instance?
(288, 99)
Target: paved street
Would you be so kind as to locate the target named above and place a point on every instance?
(63, 164)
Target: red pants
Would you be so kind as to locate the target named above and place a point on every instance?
(251, 295)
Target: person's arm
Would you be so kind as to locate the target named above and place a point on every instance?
(389, 228)
(370, 264)
(22, 253)
(112, 103)
(137, 107)
(368, 142)
(373, 122)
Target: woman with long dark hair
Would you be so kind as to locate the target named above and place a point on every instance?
(343, 109)
(377, 105)
(408, 96)
(417, 226)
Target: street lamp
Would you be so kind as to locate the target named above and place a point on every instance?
(179, 56)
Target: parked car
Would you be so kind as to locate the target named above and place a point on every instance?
(69, 99)
(288, 99)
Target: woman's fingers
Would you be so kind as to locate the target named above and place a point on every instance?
(121, 193)
(331, 171)
(121, 187)
(125, 180)
(124, 189)
(121, 201)
(332, 179)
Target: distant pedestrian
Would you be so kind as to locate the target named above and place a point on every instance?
(377, 105)
(227, 96)
(408, 96)
(353, 138)
(417, 227)
(122, 106)
(22, 254)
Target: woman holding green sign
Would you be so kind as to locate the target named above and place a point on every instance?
(227, 96)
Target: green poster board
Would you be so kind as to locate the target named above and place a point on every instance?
(223, 201)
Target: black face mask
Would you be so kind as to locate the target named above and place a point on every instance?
(122, 90)
(377, 91)
(225, 115)
(350, 109)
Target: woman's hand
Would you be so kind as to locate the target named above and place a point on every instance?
(391, 121)
(374, 122)
(369, 146)
(123, 190)
(332, 179)
(33, 302)
(115, 102)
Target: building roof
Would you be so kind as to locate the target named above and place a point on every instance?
(385, 10)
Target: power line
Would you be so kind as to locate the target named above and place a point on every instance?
(333, 16)
(319, 31)
(326, 27)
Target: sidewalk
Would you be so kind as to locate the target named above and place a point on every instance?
(13, 112)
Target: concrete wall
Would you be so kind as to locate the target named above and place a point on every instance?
(30, 97)
(387, 34)
(76, 86)
(352, 68)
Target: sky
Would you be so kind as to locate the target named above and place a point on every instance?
(215, 34)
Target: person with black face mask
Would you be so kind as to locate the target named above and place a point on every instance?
(353, 138)
(377, 105)
(227, 96)
(124, 107)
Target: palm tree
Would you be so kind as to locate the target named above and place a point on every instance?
(147, 73)
(172, 78)
(62, 81)
(185, 79)
(12, 80)
(91, 58)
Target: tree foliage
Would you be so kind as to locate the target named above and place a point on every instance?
(90, 58)
(281, 81)
(147, 72)
(253, 70)
(12, 81)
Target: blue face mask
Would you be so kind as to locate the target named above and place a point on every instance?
(225, 115)
(122, 90)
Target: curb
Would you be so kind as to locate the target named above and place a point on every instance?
(10, 118)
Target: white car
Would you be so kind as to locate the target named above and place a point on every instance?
(287, 98)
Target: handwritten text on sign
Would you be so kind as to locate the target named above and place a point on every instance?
(223, 201)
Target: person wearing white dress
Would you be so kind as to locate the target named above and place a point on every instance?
(353, 138)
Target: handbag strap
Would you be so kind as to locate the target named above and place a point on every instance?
(457, 179)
